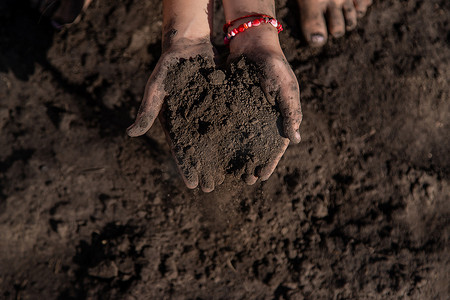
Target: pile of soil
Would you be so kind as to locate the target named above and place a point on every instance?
(220, 121)
(358, 210)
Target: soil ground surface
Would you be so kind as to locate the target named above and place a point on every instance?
(358, 210)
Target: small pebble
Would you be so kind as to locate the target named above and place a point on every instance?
(217, 77)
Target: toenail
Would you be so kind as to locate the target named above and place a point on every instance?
(317, 38)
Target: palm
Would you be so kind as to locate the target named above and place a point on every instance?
(152, 103)
(281, 89)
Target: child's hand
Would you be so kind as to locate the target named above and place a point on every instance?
(186, 34)
(153, 100)
(154, 91)
(278, 81)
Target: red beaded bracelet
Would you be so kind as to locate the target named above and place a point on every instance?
(229, 24)
(256, 22)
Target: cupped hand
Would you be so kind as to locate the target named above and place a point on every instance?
(278, 82)
(153, 100)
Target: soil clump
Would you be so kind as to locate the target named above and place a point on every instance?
(220, 119)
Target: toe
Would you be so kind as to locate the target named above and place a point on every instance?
(349, 15)
(361, 6)
(313, 22)
(336, 23)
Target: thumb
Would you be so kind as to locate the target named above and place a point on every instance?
(281, 87)
(150, 106)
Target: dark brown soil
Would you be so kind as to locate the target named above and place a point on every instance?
(220, 121)
(358, 210)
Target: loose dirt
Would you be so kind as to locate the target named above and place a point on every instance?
(220, 121)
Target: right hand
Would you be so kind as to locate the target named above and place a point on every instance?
(153, 100)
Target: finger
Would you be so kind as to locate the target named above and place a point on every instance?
(206, 182)
(186, 162)
(287, 97)
(249, 179)
(151, 104)
(186, 168)
(289, 103)
(190, 177)
(148, 112)
(220, 177)
(349, 14)
(67, 11)
(313, 22)
(249, 176)
(187, 171)
(336, 23)
(265, 171)
(361, 6)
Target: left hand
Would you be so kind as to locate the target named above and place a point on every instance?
(278, 81)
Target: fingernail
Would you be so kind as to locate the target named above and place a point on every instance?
(349, 24)
(249, 179)
(317, 38)
(338, 34)
(297, 136)
(128, 130)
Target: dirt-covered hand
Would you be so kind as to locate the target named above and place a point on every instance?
(155, 89)
(281, 88)
(152, 103)
(278, 82)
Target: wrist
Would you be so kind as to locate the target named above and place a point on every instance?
(185, 36)
(186, 22)
(261, 38)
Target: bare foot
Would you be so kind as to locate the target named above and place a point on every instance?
(320, 17)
